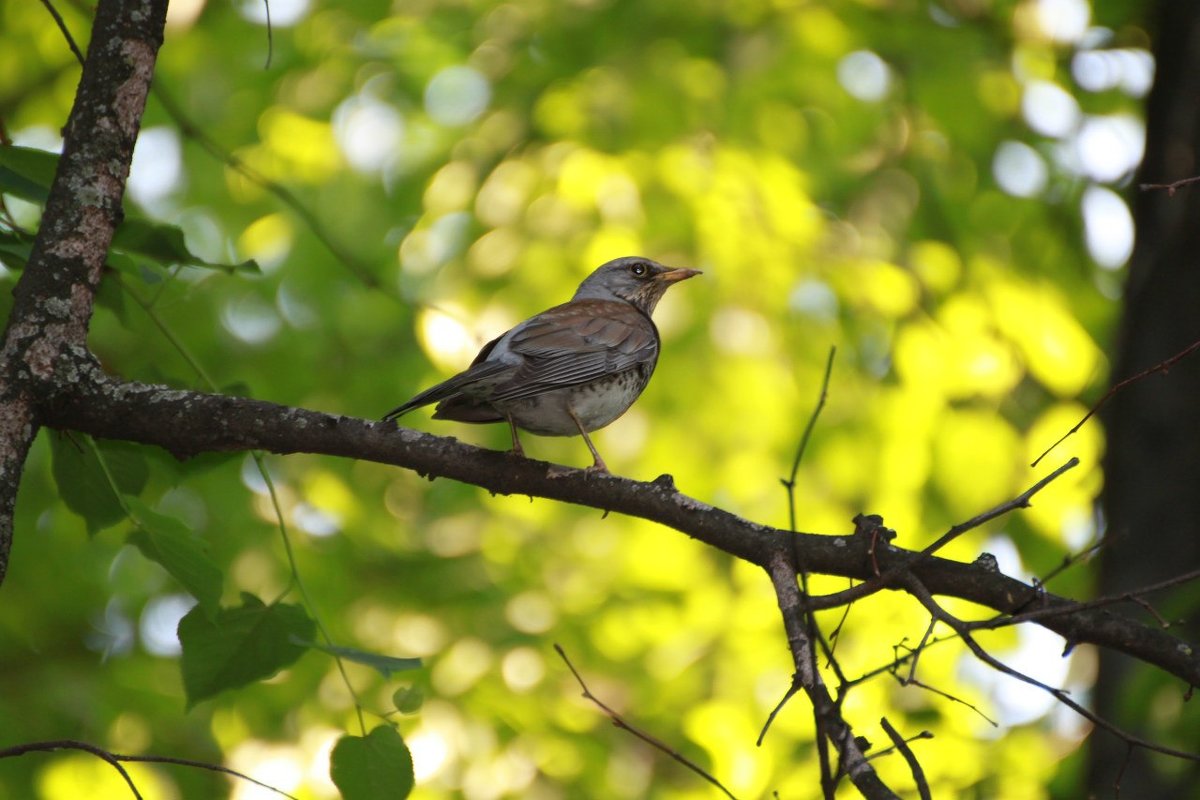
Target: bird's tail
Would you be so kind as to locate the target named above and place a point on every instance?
(430, 395)
(452, 388)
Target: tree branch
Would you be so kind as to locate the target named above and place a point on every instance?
(53, 299)
(830, 723)
(187, 423)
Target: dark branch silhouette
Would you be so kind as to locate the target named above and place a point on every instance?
(653, 741)
(116, 760)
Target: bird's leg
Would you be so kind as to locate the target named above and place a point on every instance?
(517, 449)
(599, 466)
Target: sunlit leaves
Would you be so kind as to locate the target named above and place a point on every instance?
(1059, 352)
(239, 646)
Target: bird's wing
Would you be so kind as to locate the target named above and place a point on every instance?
(576, 343)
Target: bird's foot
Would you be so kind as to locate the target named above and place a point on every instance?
(563, 471)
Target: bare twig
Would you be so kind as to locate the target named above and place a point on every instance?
(1100, 602)
(1020, 501)
(916, 653)
(270, 34)
(193, 131)
(876, 583)
(653, 741)
(911, 681)
(1172, 187)
(897, 661)
(789, 484)
(1162, 366)
(1071, 559)
(62, 26)
(792, 690)
(187, 762)
(915, 587)
(830, 724)
(66, 744)
(913, 765)
(115, 760)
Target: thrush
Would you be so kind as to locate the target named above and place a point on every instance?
(569, 370)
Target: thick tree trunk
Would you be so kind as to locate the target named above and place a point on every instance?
(52, 305)
(1152, 468)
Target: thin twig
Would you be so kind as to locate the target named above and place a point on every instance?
(873, 585)
(1170, 187)
(897, 661)
(1099, 602)
(62, 26)
(67, 744)
(851, 758)
(1162, 366)
(914, 766)
(619, 722)
(917, 589)
(270, 35)
(115, 760)
(192, 131)
(792, 689)
(1020, 501)
(947, 696)
(789, 484)
(1071, 559)
(265, 474)
(920, 648)
(187, 762)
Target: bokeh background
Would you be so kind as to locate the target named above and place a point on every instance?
(936, 189)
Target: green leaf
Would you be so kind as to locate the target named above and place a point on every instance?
(27, 172)
(377, 766)
(139, 241)
(239, 645)
(15, 249)
(408, 699)
(83, 484)
(385, 665)
(169, 542)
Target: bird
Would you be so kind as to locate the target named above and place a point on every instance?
(569, 370)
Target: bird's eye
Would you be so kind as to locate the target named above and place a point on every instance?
(638, 269)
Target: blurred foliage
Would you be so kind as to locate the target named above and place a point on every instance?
(831, 165)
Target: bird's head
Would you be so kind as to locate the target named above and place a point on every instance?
(633, 279)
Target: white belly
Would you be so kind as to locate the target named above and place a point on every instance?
(595, 406)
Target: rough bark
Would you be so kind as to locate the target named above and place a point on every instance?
(52, 305)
